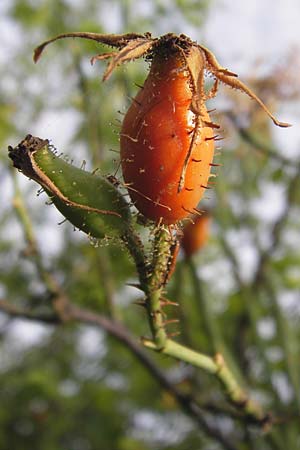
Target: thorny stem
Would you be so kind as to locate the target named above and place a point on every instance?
(152, 284)
(136, 250)
(152, 275)
(155, 284)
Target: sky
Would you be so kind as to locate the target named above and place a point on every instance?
(243, 31)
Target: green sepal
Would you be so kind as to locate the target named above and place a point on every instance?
(90, 202)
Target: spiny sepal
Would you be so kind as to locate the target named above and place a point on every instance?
(88, 201)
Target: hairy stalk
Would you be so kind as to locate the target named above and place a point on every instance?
(153, 270)
(155, 284)
(136, 249)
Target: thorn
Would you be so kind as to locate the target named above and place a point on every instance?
(114, 151)
(189, 189)
(155, 202)
(139, 85)
(176, 333)
(211, 124)
(215, 165)
(187, 210)
(196, 160)
(40, 191)
(135, 285)
(166, 302)
(63, 221)
(199, 212)
(135, 101)
(168, 322)
(209, 138)
(139, 303)
(129, 137)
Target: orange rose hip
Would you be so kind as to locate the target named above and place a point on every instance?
(156, 136)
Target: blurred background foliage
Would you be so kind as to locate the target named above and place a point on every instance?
(73, 387)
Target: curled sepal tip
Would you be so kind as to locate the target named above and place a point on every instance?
(88, 201)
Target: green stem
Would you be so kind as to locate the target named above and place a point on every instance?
(217, 367)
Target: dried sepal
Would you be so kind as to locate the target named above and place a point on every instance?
(231, 79)
(198, 59)
(132, 46)
(133, 50)
(113, 40)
